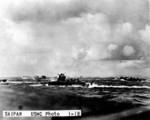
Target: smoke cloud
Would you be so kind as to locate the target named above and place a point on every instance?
(78, 37)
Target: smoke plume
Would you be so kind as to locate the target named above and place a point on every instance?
(78, 37)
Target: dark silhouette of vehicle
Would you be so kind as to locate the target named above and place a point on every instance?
(3, 80)
(62, 80)
(132, 78)
(61, 77)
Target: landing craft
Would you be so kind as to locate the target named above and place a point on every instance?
(62, 80)
(3, 80)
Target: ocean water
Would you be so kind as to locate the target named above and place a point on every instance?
(103, 100)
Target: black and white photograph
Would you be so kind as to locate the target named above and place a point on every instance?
(75, 60)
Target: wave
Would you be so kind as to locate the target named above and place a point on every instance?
(118, 86)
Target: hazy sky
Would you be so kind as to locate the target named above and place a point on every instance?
(78, 37)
